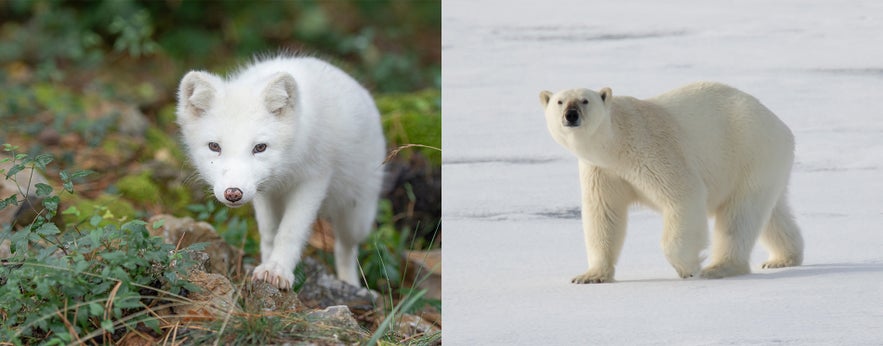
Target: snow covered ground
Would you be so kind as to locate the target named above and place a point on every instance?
(513, 238)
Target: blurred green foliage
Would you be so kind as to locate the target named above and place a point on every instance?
(392, 46)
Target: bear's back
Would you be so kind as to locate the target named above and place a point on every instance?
(728, 133)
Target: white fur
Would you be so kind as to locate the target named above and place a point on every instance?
(324, 154)
(702, 150)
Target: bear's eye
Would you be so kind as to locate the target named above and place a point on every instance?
(585, 102)
(214, 147)
(259, 148)
(560, 102)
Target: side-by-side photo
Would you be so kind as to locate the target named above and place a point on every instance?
(220, 173)
(645, 173)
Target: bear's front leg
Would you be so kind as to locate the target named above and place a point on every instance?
(301, 208)
(605, 201)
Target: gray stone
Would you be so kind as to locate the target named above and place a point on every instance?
(322, 289)
(337, 316)
(23, 182)
(263, 296)
(223, 258)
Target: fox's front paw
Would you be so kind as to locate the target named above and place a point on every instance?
(274, 274)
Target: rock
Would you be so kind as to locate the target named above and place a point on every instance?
(322, 236)
(223, 258)
(5, 251)
(132, 121)
(25, 212)
(411, 325)
(338, 316)
(413, 186)
(214, 297)
(338, 323)
(322, 289)
(424, 272)
(49, 136)
(263, 296)
(138, 339)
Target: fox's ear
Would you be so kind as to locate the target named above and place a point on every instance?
(545, 96)
(280, 93)
(196, 93)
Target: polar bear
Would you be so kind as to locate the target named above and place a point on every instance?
(705, 149)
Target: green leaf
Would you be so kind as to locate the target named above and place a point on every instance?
(95, 309)
(152, 323)
(159, 223)
(81, 174)
(48, 229)
(51, 204)
(72, 210)
(107, 325)
(95, 220)
(11, 200)
(14, 170)
(42, 160)
(95, 238)
(43, 190)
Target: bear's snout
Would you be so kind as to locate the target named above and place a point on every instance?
(571, 117)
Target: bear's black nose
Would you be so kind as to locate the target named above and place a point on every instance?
(571, 117)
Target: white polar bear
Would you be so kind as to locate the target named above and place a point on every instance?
(702, 150)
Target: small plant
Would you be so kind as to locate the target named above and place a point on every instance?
(88, 282)
(381, 263)
(233, 228)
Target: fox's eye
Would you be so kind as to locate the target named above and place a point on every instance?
(259, 148)
(560, 102)
(214, 147)
(585, 102)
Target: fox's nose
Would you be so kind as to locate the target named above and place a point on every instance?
(233, 194)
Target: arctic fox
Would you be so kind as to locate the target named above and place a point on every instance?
(301, 139)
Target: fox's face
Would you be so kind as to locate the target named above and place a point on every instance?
(236, 135)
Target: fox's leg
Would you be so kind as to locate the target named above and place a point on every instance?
(268, 212)
(301, 207)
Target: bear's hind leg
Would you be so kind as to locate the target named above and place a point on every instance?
(684, 236)
(781, 237)
(735, 231)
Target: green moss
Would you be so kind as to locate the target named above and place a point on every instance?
(139, 188)
(110, 207)
(413, 118)
(180, 197)
(158, 140)
(167, 115)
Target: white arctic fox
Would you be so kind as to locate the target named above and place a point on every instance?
(300, 138)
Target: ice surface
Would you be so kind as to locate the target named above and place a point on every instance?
(513, 238)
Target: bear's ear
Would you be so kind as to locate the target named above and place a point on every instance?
(545, 96)
(606, 94)
(279, 93)
(196, 92)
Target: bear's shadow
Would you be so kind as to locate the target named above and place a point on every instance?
(791, 272)
(813, 270)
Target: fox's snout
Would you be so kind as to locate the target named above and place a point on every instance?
(233, 194)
